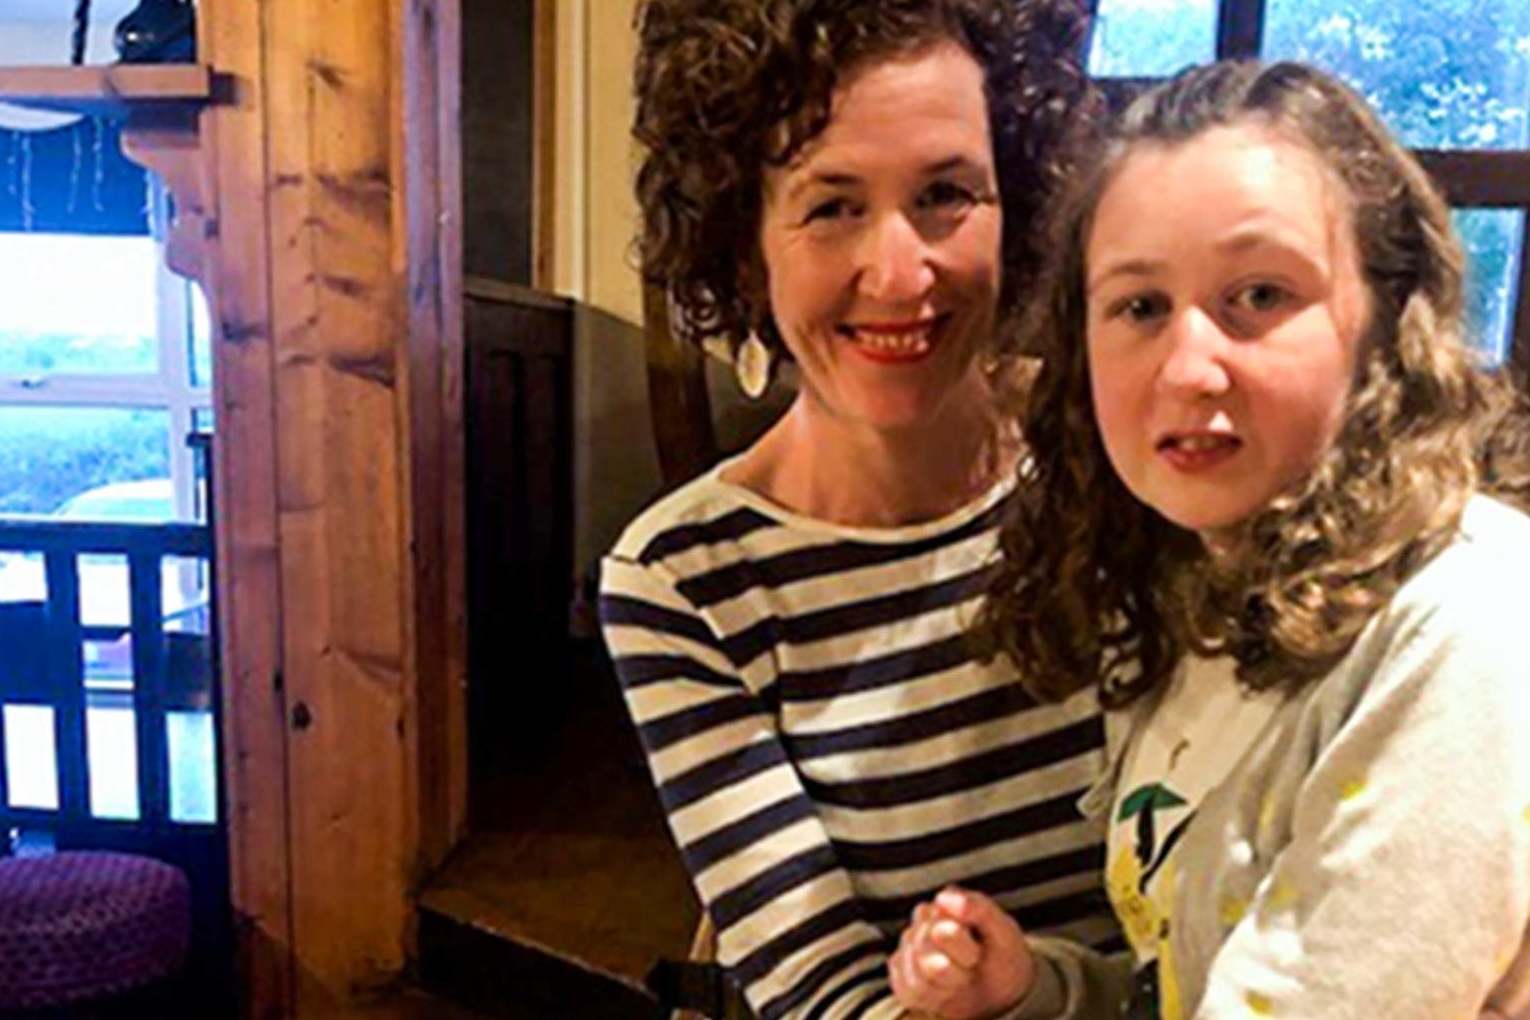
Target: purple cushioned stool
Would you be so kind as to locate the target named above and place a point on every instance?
(83, 925)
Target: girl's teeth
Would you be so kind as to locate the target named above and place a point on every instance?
(896, 343)
(1198, 444)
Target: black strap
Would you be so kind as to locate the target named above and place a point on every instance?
(1143, 1004)
(703, 988)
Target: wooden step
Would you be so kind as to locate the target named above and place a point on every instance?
(405, 1003)
(570, 889)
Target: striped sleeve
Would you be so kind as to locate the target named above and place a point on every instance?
(791, 928)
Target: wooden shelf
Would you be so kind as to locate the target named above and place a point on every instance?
(112, 90)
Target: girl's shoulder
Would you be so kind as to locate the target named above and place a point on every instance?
(1481, 576)
(1457, 620)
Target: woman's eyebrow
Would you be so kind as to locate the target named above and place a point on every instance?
(830, 177)
(957, 162)
(818, 178)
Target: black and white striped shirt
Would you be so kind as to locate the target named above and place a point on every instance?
(826, 748)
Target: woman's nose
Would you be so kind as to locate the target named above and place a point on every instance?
(895, 263)
(1195, 364)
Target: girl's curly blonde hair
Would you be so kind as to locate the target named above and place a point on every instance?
(1097, 588)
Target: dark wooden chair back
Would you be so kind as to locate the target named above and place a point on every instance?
(677, 396)
(23, 656)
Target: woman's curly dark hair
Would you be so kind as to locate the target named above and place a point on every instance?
(1098, 589)
(726, 88)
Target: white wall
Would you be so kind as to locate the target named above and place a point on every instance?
(616, 464)
(41, 32)
(616, 467)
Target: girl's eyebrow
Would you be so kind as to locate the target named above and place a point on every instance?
(1249, 240)
(1235, 243)
(1130, 267)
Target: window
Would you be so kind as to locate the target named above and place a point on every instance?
(105, 371)
(104, 365)
(1450, 77)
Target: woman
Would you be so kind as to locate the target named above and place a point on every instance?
(821, 182)
(1262, 441)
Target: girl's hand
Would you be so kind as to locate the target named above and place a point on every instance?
(962, 958)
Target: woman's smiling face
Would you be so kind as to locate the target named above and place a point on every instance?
(1225, 312)
(881, 241)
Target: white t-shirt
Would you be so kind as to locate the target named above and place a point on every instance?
(1201, 726)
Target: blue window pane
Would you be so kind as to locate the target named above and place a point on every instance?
(1442, 73)
(1151, 38)
(1493, 240)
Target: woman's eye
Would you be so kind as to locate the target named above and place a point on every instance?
(946, 194)
(833, 209)
(1261, 297)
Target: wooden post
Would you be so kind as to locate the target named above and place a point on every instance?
(361, 190)
(314, 160)
(333, 269)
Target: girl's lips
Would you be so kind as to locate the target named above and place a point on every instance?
(1198, 451)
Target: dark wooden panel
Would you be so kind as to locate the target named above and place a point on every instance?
(66, 674)
(1519, 343)
(1240, 28)
(519, 426)
(497, 150)
(677, 396)
(1480, 177)
(147, 608)
(44, 534)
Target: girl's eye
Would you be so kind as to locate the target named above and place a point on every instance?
(1139, 308)
(1261, 297)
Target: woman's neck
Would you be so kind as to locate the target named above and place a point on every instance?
(820, 465)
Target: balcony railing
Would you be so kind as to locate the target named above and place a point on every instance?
(108, 679)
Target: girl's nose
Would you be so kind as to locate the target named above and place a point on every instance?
(1194, 366)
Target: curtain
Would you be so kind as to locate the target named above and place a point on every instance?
(71, 179)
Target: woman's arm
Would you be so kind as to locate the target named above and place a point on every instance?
(790, 927)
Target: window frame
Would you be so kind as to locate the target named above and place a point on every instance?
(1470, 178)
(169, 388)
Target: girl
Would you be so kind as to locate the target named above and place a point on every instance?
(1258, 521)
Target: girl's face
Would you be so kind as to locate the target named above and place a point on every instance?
(881, 242)
(1225, 310)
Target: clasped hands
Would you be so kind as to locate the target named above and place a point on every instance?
(963, 957)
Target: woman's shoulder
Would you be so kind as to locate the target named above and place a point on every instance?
(712, 512)
(702, 511)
